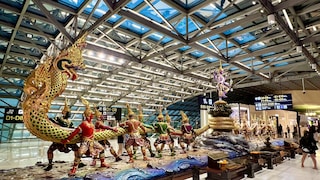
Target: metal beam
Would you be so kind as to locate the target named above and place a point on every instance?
(9, 86)
(162, 52)
(128, 14)
(208, 50)
(199, 6)
(270, 9)
(176, 6)
(311, 39)
(275, 48)
(287, 4)
(53, 20)
(309, 9)
(245, 20)
(14, 33)
(107, 15)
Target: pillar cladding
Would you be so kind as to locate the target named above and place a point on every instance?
(221, 120)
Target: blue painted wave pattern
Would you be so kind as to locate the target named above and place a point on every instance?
(153, 172)
(235, 146)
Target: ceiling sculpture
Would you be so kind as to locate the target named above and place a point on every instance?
(160, 52)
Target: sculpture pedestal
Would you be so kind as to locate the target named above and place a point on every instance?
(220, 120)
(221, 123)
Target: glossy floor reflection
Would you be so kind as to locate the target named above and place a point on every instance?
(28, 153)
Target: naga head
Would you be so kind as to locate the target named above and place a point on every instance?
(70, 60)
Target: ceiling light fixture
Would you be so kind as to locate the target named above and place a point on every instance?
(271, 19)
(299, 49)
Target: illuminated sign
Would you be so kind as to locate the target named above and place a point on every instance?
(205, 101)
(13, 115)
(273, 102)
(110, 113)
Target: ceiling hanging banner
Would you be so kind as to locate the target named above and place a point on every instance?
(13, 115)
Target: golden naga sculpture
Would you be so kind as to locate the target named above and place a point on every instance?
(47, 82)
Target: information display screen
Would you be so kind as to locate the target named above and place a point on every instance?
(273, 102)
(205, 101)
(13, 115)
(110, 113)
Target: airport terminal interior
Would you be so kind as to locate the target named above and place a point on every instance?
(228, 87)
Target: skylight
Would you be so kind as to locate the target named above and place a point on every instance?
(99, 11)
(135, 27)
(72, 3)
(166, 11)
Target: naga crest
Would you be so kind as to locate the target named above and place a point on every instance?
(70, 60)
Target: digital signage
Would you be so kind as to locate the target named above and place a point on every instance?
(13, 115)
(273, 102)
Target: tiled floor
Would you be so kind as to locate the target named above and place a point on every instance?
(21, 154)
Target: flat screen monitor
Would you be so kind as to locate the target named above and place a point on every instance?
(273, 102)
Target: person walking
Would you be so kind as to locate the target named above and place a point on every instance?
(308, 146)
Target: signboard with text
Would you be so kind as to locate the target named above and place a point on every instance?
(13, 115)
(110, 113)
(205, 101)
(273, 102)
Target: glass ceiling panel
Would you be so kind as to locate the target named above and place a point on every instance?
(181, 27)
(14, 3)
(211, 59)
(233, 52)
(9, 101)
(1, 114)
(166, 11)
(281, 64)
(8, 16)
(75, 4)
(33, 37)
(197, 54)
(61, 16)
(189, 3)
(223, 45)
(14, 81)
(56, 107)
(134, 3)
(184, 48)
(246, 59)
(99, 11)
(158, 37)
(3, 45)
(255, 63)
(48, 28)
(257, 46)
(209, 12)
(233, 30)
(134, 27)
(5, 32)
(114, 18)
(268, 54)
(244, 38)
